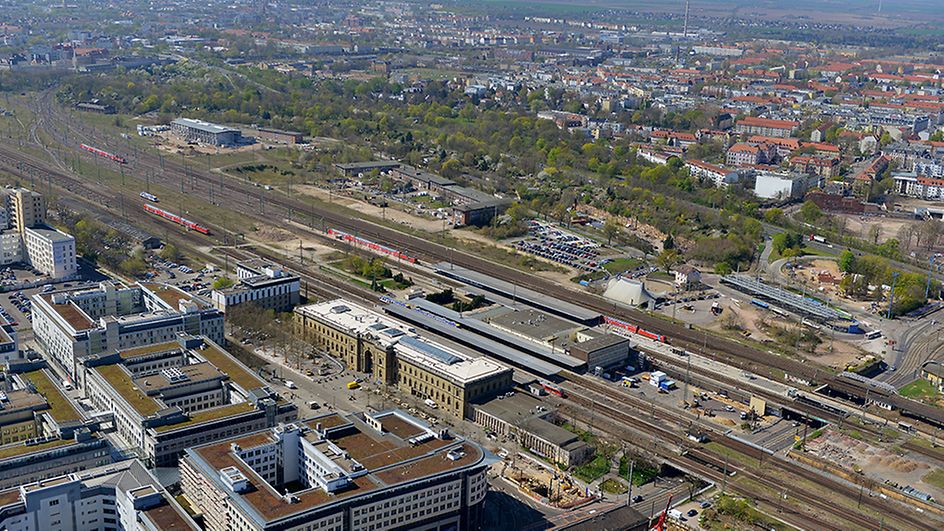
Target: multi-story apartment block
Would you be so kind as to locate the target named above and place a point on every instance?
(393, 353)
(72, 325)
(384, 470)
(262, 284)
(913, 185)
(170, 396)
(120, 496)
(744, 154)
(751, 125)
(815, 165)
(716, 175)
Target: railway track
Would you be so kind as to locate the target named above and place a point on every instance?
(656, 425)
(29, 166)
(170, 173)
(255, 203)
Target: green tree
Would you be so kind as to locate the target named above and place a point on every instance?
(668, 259)
(774, 215)
(810, 213)
(169, 252)
(847, 261)
(611, 228)
(889, 249)
(223, 283)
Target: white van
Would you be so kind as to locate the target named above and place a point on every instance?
(676, 514)
(290, 384)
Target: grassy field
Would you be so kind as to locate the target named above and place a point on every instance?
(594, 469)
(622, 264)
(919, 390)
(612, 486)
(935, 477)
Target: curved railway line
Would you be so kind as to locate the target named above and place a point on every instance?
(171, 174)
(256, 203)
(231, 191)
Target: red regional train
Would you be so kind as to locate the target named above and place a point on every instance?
(101, 153)
(176, 219)
(634, 329)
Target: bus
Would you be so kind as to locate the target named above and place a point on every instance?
(874, 334)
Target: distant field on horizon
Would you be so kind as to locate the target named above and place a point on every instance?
(894, 12)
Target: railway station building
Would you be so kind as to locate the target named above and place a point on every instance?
(385, 470)
(394, 353)
(72, 325)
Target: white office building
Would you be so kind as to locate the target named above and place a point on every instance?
(73, 325)
(262, 284)
(120, 496)
(50, 251)
(25, 237)
(383, 470)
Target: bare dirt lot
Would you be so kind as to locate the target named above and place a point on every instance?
(863, 226)
(853, 452)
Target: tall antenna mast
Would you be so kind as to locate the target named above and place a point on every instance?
(685, 27)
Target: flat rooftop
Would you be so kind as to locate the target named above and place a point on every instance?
(121, 381)
(458, 367)
(355, 318)
(189, 374)
(166, 516)
(555, 355)
(533, 324)
(21, 448)
(60, 408)
(209, 415)
(71, 314)
(518, 293)
(136, 352)
(389, 459)
(171, 295)
(470, 339)
(238, 373)
(204, 126)
(51, 234)
(21, 399)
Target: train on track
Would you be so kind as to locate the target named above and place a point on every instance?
(176, 219)
(150, 197)
(373, 246)
(635, 329)
(103, 153)
(554, 389)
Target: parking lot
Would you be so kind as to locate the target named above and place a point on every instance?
(191, 278)
(561, 246)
